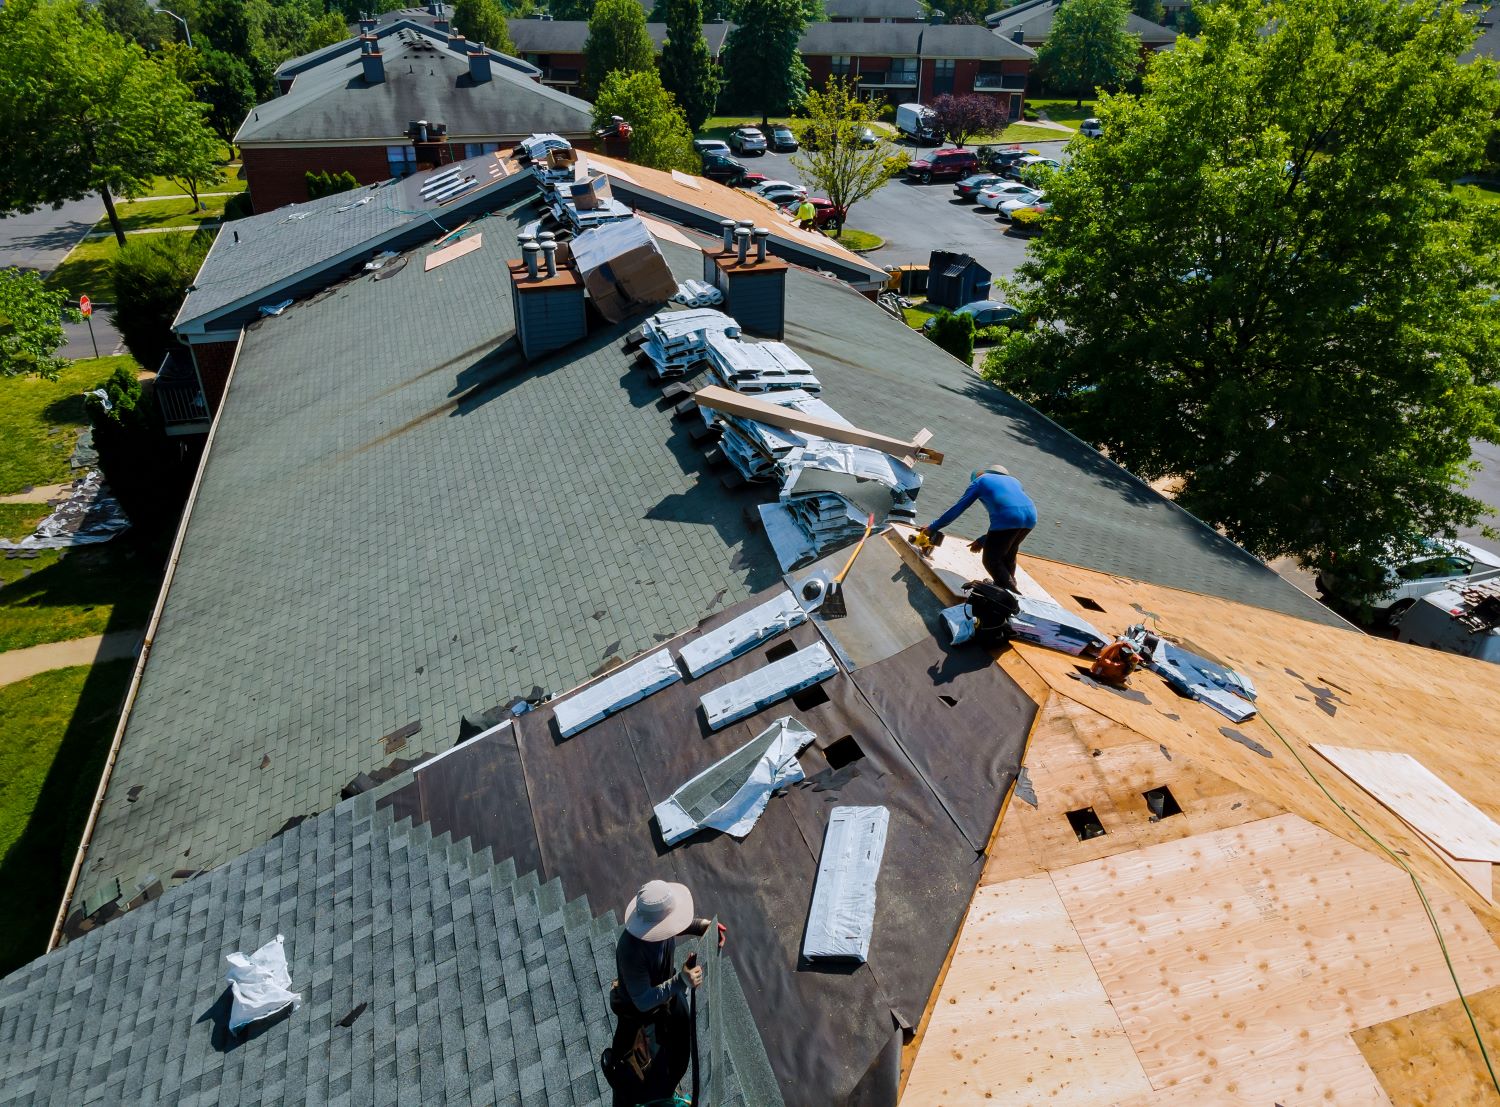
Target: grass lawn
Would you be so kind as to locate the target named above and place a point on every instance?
(138, 214)
(1062, 110)
(40, 421)
(852, 239)
(55, 730)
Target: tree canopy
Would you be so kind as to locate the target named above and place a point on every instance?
(1088, 47)
(660, 137)
(687, 68)
(31, 318)
(83, 110)
(964, 116)
(831, 160)
(1260, 282)
(483, 21)
(617, 42)
(764, 71)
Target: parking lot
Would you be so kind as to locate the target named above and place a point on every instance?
(915, 219)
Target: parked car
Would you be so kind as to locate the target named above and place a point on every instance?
(723, 168)
(915, 122)
(940, 164)
(827, 216)
(783, 139)
(780, 192)
(996, 194)
(970, 187)
(986, 313)
(1029, 199)
(707, 147)
(1091, 128)
(1443, 563)
(746, 139)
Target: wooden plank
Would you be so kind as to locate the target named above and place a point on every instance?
(1429, 1058)
(1251, 945)
(448, 253)
(748, 407)
(1412, 791)
(1023, 1018)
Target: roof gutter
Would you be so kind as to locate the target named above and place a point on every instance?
(140, 664)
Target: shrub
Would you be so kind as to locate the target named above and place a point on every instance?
(152, 273)
(954, 333)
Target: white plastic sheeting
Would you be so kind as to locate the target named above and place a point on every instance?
(745, 632)
(90, 514)
(769, 685)
(768, 761)
(842, 919)
(260, 984)
(616, 692)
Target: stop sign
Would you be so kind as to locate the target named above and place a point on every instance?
(85, 306)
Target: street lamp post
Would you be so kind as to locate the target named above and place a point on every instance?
(185, 29)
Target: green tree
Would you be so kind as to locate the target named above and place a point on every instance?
(831, 160)
(82, 110)
(152, 274)
(31, 318)
(1260, 283)
(660, 137)
(687, 67)
(763, 66)
(229, 91)
(1089, 48)
(483, 21)
(617, 42)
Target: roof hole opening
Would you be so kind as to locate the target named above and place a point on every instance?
(1086, 824)
(1162, 803)
(780, 650)
(809, 698)
(843, 752)
(1088, 604)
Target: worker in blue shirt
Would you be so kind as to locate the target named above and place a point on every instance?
(1012, 515)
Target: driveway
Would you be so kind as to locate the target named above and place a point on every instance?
(43, 238)
(916, 219)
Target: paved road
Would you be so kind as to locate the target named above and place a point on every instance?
(916, 219)
(43, 238)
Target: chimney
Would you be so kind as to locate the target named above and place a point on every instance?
(369, 54)
(479, 63)
(548, 299)
(753, 283)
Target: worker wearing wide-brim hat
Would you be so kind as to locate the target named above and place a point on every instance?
(1012, 517)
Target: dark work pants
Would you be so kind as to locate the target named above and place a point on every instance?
(999, 555)
(673, 1026)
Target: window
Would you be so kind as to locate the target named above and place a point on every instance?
(475, 149)
(840, 65)
(401, 160)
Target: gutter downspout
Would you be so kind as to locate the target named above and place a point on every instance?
(140, 664)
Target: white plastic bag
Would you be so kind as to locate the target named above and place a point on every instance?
(261, 984)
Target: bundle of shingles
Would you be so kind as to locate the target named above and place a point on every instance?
(676, 341)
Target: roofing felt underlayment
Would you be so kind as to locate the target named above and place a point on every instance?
(398, 520)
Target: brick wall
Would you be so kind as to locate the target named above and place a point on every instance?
(214, 360)
(278, 177)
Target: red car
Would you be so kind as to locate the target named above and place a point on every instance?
(955, 164)
(827, 217)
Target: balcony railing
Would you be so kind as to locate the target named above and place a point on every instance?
(989, 82)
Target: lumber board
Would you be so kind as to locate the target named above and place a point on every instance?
(1250, 945)
(1409, 788)
(1023, 1018)
(762, 411)
(449, 253)
(1429, 1059)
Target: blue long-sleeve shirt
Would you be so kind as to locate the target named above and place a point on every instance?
(647, 971)
(1003, 497)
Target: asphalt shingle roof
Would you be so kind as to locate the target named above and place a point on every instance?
(398, 521)
(423, 80)
(461, 982)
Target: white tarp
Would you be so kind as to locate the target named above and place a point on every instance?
(616, 692)
(769, 685)
(775, 767)
(745, 632)
(260, 983)
(89, 514)
(842, 919)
